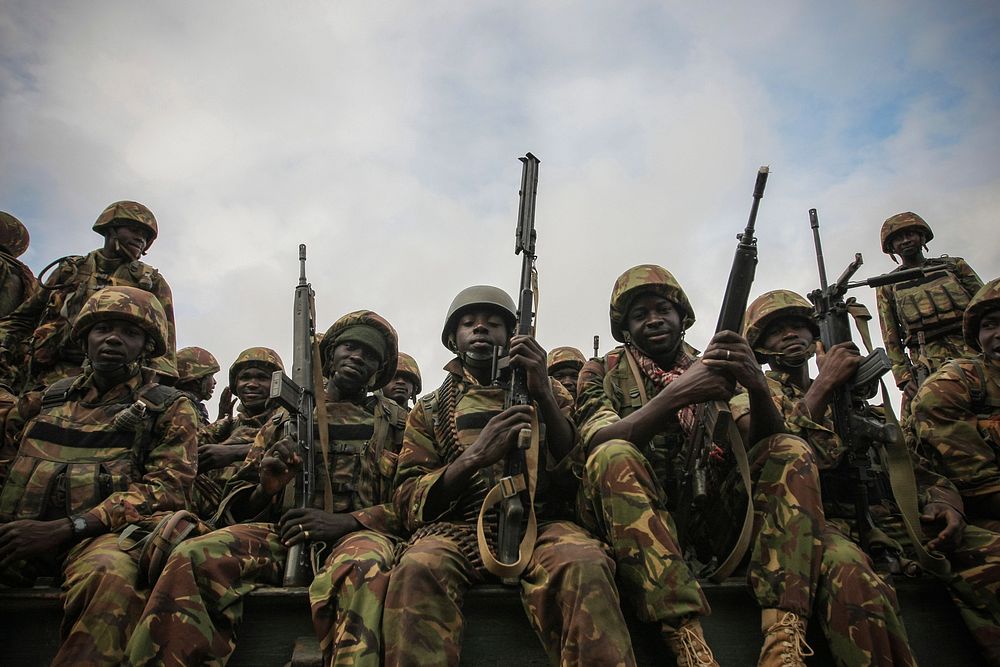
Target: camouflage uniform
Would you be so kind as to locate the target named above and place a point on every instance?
(87, 452)
(933, 305)
(193, 364)
(567, 589)
(196, 605)
(39, 329)
(564, 364)
(17, 282)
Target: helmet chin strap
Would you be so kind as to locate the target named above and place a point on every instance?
(794, 359)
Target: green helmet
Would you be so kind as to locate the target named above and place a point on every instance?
(478, 296)
(564, 356)
(407, 365)
(127, 213)
(260, 357)
(639, 280)
(194, 363)
(161, 366)
(771, 305)
(352, 327)
(125, 303)
(985, 300)
(898, 223)
(14, 235)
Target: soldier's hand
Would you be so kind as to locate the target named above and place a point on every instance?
(24, 539)
(213, 457)
(909, 390)
(526, 353)
(498, 436)
(950, 536)
(280, 465)
(700, 383)
(729, 353)
(838, 364)
(226, 403)
(313, 525)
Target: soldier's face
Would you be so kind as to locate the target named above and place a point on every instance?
(112, 344)
(479, 331)
(787, 335)
(400, 389)
(907, 242)
(353, 365)
(130, 240)
(989, 334)
(207, 387)
(567, 377)
(654, 322)
(252, 388)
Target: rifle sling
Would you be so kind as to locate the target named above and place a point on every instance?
(506, 487)
(324, 420)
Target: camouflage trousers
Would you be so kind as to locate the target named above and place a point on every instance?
(101, 601)
(567, 590)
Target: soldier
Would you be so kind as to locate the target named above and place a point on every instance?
(196, 369)
(453, 450)
(564, 364)
(224, 445)
(930, 307)
(38, 331)
(636, 413)
(97, 452)
(194, 608)
(17, 282)
(405, 384)
(856, 609)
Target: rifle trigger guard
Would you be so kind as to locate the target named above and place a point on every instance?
(511, 486)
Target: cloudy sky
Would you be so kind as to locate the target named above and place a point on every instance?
(386, 135)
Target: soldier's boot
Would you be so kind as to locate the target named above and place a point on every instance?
(784, 639)
(688, 644)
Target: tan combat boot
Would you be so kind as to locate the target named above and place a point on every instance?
(784, 639)
(688, 644)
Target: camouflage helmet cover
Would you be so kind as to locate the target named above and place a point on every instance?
(769, 306)
(565, 356)
(14, 237)
(478, 295)
(368, 318)
(127, 213)
(194, 363)
(407, 365)
(641, 279)
(898, 223)
(262, 357)
(125, 303)
(985, 300)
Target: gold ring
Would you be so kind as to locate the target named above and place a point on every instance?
(728, 355)
(305, 533)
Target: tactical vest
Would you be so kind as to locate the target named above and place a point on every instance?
(933, 303)
(72, 456)
(80, 277)
(985, 404)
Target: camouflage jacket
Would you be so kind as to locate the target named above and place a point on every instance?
(827, 445)
(957, 413)
(364, 444)
(443, 424)
(74, 456)
(40, 327)
(17, 284)
(933, 304)
(241, 430)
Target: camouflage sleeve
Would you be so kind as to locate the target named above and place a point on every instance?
(594, 408)
(166, 298)
(890, 335)
(947, 428)
(419, 468)
(18, 325)
(569, 468)
(23, 409)
(168, 471)
(217, 431)
(968, 278)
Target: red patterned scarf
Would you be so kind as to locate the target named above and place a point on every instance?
(662, 378)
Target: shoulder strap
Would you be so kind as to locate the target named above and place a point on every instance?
(57, 393)
(159, 397)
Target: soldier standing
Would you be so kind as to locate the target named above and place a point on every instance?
(405, 384)
(38, 331)
(191, 615)
(224, 444)
(97, 452)
(17, 282)
(564, 364)
(453, 450)
(928, 308)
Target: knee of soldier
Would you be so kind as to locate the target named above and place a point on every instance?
(422, 560)
(609, 456)
(94, 564)
(791, 449)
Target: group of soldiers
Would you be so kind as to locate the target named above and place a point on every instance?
(158, 520)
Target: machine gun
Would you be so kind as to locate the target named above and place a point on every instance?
(854, 419)
(297, 395)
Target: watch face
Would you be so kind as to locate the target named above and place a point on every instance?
(79, 524)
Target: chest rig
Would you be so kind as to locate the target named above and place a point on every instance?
(934, 303)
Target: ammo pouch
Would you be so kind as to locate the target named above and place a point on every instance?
(934, 304)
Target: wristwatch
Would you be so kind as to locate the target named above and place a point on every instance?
(79, 525)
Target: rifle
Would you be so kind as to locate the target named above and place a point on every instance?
(297, 395)
(512, 507)
(597, 346)
(854, 419)
(919, 368)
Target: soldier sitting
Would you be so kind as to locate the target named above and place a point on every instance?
(97, 452)
(196, 369)
(564, 364)
(37, 332)
(405, 384)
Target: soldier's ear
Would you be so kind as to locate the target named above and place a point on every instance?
(452, 345)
